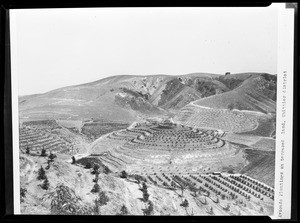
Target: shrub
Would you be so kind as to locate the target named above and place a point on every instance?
(52, 157)
(106, 170)
(45, 184)
(96, 188)
(23, 192)
(144, 187)
(139, 178)
(100, 201)
(96, 167)
(65, 202)
(103, 198)
(145, 196)
(27, 150)
(149, 209)
(124, 210)
(185, 203)
(73, 160)
(43, 153)
(41, 174)
(124, 174)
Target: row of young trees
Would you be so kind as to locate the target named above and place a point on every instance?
(43, 152)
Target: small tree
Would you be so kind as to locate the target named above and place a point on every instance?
(73, 160)
(41, 174)
(43, 153)
(27, 150)
(103, 198)
(106, 170)
(100, 201)
(95, 169)
(52, 157)
(144, 187)
(185, 203)
(124, 210)
(149, 209)
(95, 180)
(145, 196)
(124, 174)
(23, 192)
(45, 184)
(96, 188)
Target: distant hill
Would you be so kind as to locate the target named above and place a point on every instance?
(249, 91)
(131, 97)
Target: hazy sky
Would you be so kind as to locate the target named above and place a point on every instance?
(54, 48)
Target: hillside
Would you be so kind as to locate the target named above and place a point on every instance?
(194, 144)
(255, 92)
(119, 98)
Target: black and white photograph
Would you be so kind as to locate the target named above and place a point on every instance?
(151, 111)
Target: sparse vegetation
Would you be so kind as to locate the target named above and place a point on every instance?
(96, 188)
(73, 160)
(23, 192)
(166, 156)
(64, 201)
(123, 174)
(124, 210)
(45, 184)
(100, 201)
(41, 174)
(43, 153)
(149, 209)
(185, 203)
(52, 157)
(95, 169)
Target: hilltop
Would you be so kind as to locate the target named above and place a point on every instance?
(130, 98)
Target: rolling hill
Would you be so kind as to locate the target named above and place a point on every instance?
(254, 92)
(130, 98)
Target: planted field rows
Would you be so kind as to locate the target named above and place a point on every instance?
(227, 120)
(37, 139)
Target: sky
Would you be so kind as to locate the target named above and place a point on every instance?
(53, 48)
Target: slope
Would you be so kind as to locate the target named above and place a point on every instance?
(255, 92)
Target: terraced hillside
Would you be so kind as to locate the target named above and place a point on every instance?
(195, 144)
(255, 93)
(224, 119)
